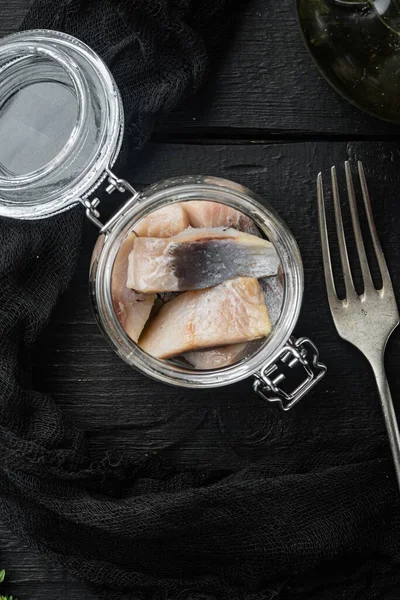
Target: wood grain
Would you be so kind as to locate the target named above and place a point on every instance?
(115, 403)
(30, 577)
(12, 13)
(124, 411)
(264, 86)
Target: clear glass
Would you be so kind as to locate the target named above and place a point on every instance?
(356, 46)
(179, 190)
(62, 116)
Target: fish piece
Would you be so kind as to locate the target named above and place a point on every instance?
(132, 308)
(197, 259)
(230, 313)
(157, 306)
(163, 223)
(214, 214)
(167, 296)
(273, 290)
(215, 358)
(161, 300)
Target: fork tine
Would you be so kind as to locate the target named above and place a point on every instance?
(326, 255)
(344, 257)
(362, 257)
(386, 281)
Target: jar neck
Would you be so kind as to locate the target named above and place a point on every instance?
(21, 67)
(62, 116)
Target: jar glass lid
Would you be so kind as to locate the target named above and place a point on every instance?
(61, 123)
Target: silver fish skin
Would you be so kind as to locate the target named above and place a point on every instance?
(198, 259)
(273, 290)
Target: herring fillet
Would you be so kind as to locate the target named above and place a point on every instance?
(132, 308)
(164, 222)
(216, 358)
(199, 258)
(230, 313)
(215, 214)
(204, 213)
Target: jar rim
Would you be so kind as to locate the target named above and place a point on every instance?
(180, 190)
(23, 52)
(30, 195)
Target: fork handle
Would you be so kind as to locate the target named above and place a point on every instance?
(389, 415)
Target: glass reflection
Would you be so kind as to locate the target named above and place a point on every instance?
(356, 45)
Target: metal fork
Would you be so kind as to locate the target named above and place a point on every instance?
(365, 320)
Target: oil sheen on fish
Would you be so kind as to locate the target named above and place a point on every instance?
(163, 223)
(230, 313)
(132, 308)
(197, 259)
(216, 358)
(273, 291)
(214, 214)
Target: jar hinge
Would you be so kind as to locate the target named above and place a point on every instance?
(114, 184)
(300, 357)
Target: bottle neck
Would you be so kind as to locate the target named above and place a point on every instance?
(388, 11)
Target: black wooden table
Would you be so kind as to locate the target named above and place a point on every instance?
(267, 119)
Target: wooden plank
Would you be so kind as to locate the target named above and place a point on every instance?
(12, 13)
(246, 97)
(30, 577)
(267, 83)
(264, 85)
(118, 406)
(125, 411)
(229, 427)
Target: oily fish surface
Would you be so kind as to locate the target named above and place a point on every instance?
(197, 259)
(132, 308)
(215, 214)
(216, 358)
(171, 219)
(203, 213)
(230, 313)
(164, 222)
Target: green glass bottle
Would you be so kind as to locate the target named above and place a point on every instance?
(356, 45)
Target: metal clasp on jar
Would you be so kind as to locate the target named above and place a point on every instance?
(296, 356)
(114, 184)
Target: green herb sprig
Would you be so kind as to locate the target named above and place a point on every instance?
(2, 578)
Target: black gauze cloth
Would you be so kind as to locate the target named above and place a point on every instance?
(315, 529)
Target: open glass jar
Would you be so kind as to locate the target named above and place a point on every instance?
(62, 116)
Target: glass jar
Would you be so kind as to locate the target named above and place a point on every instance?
(80, 138)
